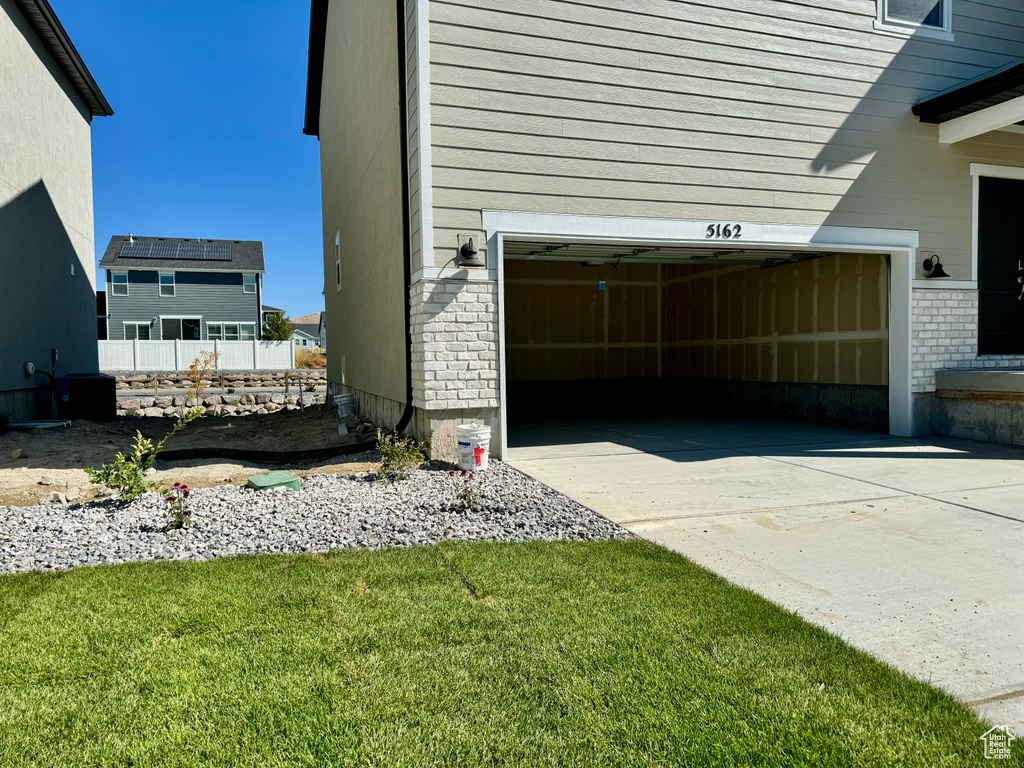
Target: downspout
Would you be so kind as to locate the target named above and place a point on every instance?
(403, 129)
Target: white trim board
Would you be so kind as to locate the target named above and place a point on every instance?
(424, 144)
(984, 120)
(900, 245)
(978, 170)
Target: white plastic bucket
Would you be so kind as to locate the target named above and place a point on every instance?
(474, 446)
(346, 405)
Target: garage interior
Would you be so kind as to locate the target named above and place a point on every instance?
(595, 331)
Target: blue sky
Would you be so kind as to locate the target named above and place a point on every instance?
(206, 139)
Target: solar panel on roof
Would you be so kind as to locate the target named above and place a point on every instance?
(192, 250)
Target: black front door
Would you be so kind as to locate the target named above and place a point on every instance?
(1000, 264)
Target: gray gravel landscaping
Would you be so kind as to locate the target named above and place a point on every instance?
(329, 512)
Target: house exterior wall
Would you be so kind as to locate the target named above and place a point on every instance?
(753, 111)
(360, 164)
(46, 219)
(756, 111)
(747, 111)
(214, 296)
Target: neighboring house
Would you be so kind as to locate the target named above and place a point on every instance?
(304, 336)
(162, 288)
(741, 205)
(307, 331)
(267, 311)
(47, 102)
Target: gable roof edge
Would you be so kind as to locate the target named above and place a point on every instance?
(55, 39)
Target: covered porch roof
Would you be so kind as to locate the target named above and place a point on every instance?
(986, 103)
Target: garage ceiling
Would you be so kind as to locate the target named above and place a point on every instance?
(620, 252)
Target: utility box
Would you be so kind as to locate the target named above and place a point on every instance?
(88, 396)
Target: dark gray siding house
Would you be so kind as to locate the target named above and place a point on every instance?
(163, 288)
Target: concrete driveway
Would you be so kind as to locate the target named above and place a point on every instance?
(910, 549)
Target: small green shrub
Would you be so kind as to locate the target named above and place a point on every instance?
(127, 475)
(399, 456)
(131, 412)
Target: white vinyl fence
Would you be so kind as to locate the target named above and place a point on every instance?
(178, 355)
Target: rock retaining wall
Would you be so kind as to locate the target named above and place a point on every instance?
(219, 405)
(227, 379)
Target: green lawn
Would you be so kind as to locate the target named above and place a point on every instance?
(616, 653)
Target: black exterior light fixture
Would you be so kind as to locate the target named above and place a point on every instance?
(933, 267)
(469, 256)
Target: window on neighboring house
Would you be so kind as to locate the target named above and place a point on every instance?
(249, 283)
(337, 260)
(928, 17)
(133, 331)
(184, 328)
(119, 283)
(231, 331)
(167, 284)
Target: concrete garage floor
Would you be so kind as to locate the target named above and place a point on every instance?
(910, 549)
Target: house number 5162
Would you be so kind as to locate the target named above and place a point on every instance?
(724, 231)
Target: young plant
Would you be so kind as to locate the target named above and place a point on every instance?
(468, 496)
(127, 475)
(399, 456)
(177, 503)
(198, 374)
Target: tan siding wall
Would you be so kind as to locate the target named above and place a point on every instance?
(362, 198)
(750, 110)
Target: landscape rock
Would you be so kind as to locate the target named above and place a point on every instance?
(46, 480)
(329, 512)
(16, 454)
(152, 411)
(163, 402)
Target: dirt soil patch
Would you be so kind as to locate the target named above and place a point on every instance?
(35, 464)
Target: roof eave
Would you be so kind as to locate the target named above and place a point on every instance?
(315, 67)
(48, 28)
(937, 108)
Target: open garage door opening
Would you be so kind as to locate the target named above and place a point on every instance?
(597, 332)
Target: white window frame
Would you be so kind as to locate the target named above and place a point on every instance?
(180, 318)
(337, 260)
(114, 284)
(237, 324)
(245, 287)
(124, 330)
(897, 26)
(160, 285)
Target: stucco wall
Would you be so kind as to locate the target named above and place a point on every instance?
(362, 199)
(47, 280)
